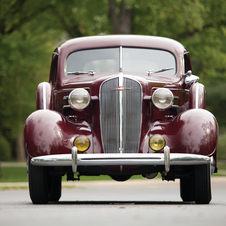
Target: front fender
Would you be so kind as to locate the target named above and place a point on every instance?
(48, 132)
(194, 131)
(44, 96)
(197, 96)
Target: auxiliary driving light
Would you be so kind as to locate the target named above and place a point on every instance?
(82, 143)
(157, 142)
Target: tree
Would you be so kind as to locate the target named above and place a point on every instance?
(30, 30)
(19, 66)
(120, 16)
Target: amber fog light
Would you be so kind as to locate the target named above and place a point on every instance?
(82, 143)
(157, 142)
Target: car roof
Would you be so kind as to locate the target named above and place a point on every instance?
(122, 40)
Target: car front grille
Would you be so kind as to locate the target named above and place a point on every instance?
(120, 115)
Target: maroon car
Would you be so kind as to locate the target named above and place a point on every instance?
(121, 105)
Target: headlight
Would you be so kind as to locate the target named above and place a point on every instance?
(162, 98)
(79, 99)
(157, 142)
(82, 143)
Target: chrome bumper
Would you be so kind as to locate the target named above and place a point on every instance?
(166, 159)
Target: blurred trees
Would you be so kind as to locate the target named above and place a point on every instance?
(30, 30)
(23, 63)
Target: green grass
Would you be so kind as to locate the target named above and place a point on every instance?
(221, 166)
(19, 174)
(13, 174)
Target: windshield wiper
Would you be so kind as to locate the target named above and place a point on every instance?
(90, 72)
(160, 70)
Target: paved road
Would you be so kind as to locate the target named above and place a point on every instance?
(145, 202)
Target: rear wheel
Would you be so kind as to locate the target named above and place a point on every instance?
(202, 188)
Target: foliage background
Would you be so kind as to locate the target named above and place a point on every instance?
(30, 30)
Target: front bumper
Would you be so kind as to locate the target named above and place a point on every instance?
(166, 159)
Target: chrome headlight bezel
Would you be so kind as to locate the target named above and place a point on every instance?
(79, 98)
(162, 98)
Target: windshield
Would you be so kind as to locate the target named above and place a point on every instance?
(121, 59)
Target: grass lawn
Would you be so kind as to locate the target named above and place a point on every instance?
(19, 174)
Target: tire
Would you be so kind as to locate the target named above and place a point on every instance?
(202, 184)
(54, 188)
(187, 188)
(38, 188)
(42, 186)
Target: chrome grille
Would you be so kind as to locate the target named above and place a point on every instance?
(120, 131)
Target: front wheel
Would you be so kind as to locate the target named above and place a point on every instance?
(187, 188)
(202, 188)
(43, 187)
(54, 188)
(38, 188)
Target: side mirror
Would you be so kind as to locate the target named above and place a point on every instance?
(188, 73)
(189, 78)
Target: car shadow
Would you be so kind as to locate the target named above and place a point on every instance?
(122, 203)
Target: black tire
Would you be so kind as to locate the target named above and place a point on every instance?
(38, 188)
(187, 188)
(202, 184)
(54, 185)
(43, 187)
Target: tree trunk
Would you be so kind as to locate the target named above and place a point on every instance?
(20, 152)
(121, 21)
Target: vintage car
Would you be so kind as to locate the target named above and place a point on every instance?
(121, 105)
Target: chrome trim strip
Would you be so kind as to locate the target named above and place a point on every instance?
(120, 102)
(44, 95)
(120, 113)
(120, 59)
